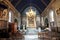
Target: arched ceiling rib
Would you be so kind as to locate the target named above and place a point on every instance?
(20, 5)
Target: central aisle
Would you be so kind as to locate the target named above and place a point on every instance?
(32, 31)
(31, 34)
(30, 37)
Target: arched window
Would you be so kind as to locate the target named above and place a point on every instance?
(10, 16)
(51, 16)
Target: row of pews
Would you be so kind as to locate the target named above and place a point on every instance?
(50, 35)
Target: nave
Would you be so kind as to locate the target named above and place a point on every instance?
(29, 19)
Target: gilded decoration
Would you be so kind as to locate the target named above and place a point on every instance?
(3, 14)
(31, 18)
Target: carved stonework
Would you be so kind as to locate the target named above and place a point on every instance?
(3, 14)
(58, 11)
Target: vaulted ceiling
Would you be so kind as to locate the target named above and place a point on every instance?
(21, 5)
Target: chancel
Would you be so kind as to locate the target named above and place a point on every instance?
(29, 19)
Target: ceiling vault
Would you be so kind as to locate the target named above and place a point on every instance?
(38, 8)
(17, 3)
(43, 2)
(10, 0)
(40, 5)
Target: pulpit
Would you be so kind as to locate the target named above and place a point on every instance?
(13, 27)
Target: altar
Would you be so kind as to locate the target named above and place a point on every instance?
(31, 19)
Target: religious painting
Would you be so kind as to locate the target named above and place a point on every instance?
(31, 21)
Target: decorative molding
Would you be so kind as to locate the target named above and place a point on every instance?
(43, 2)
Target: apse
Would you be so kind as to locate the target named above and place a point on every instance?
(28, 8)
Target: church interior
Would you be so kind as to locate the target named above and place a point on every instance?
(29, 19)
